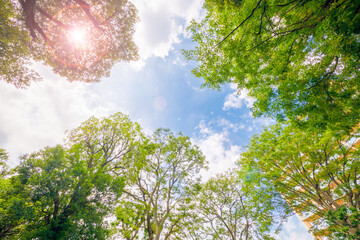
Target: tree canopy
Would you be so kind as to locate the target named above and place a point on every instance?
(79, 40)
(66, 199)
(298, 59)
(66, 192)
(317, 174)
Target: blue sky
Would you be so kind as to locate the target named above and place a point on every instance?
(157, 91)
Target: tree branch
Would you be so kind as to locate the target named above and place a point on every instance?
(107, 19)
(45, 14)
(86, 9)
(248, 17)
(288, 59)
(284, 5)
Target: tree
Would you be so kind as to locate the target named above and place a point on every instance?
(227, 209)
(159, 188)
(80, 40)
(66, 199)
(317, 174)
(298, 59)
(67, 192)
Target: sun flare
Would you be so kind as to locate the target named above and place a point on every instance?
(77, 43)
(77, 37)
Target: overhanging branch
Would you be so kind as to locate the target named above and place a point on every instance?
(86, 8)
(47, 15)
(248, 17)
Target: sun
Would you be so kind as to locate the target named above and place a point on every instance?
(77, 37)
(77, 42)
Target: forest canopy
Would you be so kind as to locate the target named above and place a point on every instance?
(109, 179)
(299, 60)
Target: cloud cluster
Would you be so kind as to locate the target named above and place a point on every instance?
(162, 23)
(38, 116)
(227, 125)
(217, 148)
(238, 98)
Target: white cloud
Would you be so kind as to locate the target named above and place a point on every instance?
(227, 125)
(238, 98)
(161, 24)
(38, 116)
(259, 123)
(217, 148)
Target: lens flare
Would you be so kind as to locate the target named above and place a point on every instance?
(78, 43)
(77, 37)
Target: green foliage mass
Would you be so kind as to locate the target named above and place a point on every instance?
(65, 198)
(298, 59)
(11, 202)
(317, 174)
(66, 192)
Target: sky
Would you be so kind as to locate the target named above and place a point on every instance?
(158, 91)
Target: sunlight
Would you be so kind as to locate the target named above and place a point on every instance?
(77, 37)
(74, 40)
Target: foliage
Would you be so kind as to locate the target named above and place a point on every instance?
(351, 218)
(107, 143)
(11, 202)
(12, 209)
(15, 54)
(227, 208)
(66, 199)
(73, 191)
(3, 162)
(317, 174)
(159, 188)
(79, 40)
(67, 192)
(130, 219)
(298, 59)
